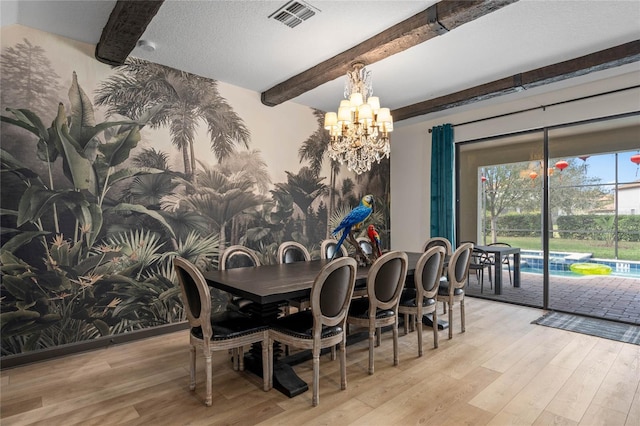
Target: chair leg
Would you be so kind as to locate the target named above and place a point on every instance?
(316, 376)
(343, 364)
(266, 370)
(395, 343)
(450, 320)
(378, 336)
(269, 344)
(372, 332)
(241, 358)
(434, 324)
(419, 332)
(333, 353)
(406, 324)
(462, 314)
(209, 397)
(235, 358)
(192, 363)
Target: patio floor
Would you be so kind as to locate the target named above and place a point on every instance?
(607, 297)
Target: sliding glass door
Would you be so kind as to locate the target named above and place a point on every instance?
(594, 219)
(569, 198)
(500, 202)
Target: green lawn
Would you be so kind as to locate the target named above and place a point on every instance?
(599, 249)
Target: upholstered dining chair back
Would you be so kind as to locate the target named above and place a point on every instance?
(292, 251)
(438, 242)
(328, 247)
(459, 266)
(385, 281)
(324, 325)
(238, 256)
(331, 294)
(195, 294)
(422, 298)
(365, 245)
(427, 274)
(387, 276)
(226, 330)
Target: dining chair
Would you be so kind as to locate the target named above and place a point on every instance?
(451, 290)
(323, 325)
(226, 330)
(291, 252)
(385, 281)
(421, 299)
(480, 260)
(505, 260)
(365, 245)
(238, 256)
(438, 242)
(328, 247)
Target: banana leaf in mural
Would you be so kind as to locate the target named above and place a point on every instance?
(77, 290)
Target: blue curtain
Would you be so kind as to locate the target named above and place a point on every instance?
(442, 211)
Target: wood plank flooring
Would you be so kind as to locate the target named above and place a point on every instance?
(502, 371)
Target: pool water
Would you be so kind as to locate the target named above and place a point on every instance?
(559, 262)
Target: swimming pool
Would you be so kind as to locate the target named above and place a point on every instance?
(559, 263)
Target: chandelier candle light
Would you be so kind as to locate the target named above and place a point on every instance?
(360, 130)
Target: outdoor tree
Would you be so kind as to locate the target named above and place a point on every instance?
(517, 187)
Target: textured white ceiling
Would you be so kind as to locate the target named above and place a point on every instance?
(235, 42)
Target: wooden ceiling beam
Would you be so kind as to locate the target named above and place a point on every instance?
(126, 24)
(598, 61)
(440, 18)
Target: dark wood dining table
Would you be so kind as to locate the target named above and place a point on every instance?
(270, 287)
(499, 253)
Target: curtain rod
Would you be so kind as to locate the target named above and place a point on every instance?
(543, 107)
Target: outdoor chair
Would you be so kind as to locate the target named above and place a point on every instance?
(480, 260)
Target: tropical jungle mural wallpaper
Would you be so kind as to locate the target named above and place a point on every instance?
(108, 173)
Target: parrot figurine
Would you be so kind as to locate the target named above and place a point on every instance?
(353, 220)
(374, 237)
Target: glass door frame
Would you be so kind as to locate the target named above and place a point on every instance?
(545, 183)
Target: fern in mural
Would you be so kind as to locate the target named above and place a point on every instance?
(72, 289)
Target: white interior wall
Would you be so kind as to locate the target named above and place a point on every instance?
(411, 141)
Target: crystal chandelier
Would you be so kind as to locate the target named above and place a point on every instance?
(360, 130)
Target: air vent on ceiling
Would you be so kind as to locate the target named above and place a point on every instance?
(294, 13)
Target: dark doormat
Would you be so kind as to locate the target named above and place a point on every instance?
(595, 327)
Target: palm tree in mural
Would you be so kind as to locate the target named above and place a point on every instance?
(216, 197)
(188, 100)
(247, 165)
(304, 187)
(314, 149)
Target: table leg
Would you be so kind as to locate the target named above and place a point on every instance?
(497, 274)
(516, 269)
(284, 378)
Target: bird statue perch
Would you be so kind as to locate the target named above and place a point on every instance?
(353, 221)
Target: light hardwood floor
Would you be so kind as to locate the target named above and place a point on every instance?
(502, 371)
